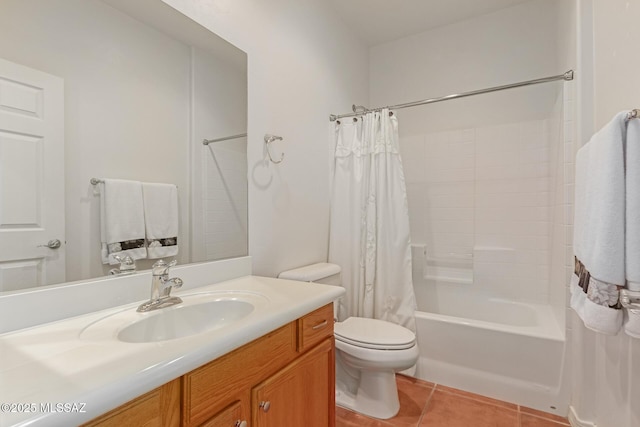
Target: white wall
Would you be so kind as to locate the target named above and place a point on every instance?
(126, 105)
(606, 379)
(508, 46)
(478, 170)
(303, 64)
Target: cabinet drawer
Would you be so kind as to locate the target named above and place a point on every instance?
(314, 327)
(231, 416)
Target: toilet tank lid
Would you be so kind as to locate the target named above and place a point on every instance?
(311, 273)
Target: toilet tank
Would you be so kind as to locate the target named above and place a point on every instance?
(322, 272)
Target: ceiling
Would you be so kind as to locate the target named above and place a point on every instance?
(381, 21)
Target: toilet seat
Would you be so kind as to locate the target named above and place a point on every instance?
(374, 334)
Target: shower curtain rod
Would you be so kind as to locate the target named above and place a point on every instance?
(226, 138)
(566, 76)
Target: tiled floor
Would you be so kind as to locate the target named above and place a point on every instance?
(424, 404)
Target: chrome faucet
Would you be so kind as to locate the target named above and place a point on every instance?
(161, 287)
(127, 266)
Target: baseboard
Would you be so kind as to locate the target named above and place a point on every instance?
(575, 421)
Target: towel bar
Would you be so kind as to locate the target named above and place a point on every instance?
(630, 299)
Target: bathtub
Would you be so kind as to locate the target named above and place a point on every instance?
(512, 351)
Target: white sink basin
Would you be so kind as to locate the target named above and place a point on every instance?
(182, 321)
(197, 314)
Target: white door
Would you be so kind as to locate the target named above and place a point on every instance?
(31, 177)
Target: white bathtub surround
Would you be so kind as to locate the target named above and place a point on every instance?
(96, 369)
(369, 231)
(492, 346)
(121, 220)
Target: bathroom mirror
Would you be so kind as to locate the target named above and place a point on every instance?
(132, 89)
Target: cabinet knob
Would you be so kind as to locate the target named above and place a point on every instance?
(265, 405)
(241, 424)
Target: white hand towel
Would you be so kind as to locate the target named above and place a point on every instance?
(161, 219)
(632, 238)
(121, 220)
(599, 226)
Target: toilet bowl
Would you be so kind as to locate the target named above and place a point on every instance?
(368, 353)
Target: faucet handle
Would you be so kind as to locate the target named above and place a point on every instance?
(127, 264)
(160, 268)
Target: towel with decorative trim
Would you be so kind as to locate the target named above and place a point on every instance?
(596, 302)
(599, 228)
(161, 219)
(122, 229)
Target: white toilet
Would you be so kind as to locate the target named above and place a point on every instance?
(368, 353)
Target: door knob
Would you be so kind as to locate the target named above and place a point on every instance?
(241, 423)
(52, 244)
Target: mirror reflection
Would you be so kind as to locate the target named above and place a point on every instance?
(114, 89)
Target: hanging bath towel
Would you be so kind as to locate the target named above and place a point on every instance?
(632, 241)
(161, 219)
(599, 230)
(121, 220)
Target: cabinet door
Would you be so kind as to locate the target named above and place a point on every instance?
(301, 394)
(158, 408)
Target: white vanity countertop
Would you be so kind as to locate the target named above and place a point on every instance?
(51, 364)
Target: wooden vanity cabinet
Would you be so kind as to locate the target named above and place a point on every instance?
(285, 378)
(158, 408)
(297, 395)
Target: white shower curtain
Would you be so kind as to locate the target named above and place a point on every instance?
(369, 232)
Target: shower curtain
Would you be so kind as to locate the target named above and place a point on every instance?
(369, 229)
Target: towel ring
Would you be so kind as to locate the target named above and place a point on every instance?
(268, 139)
